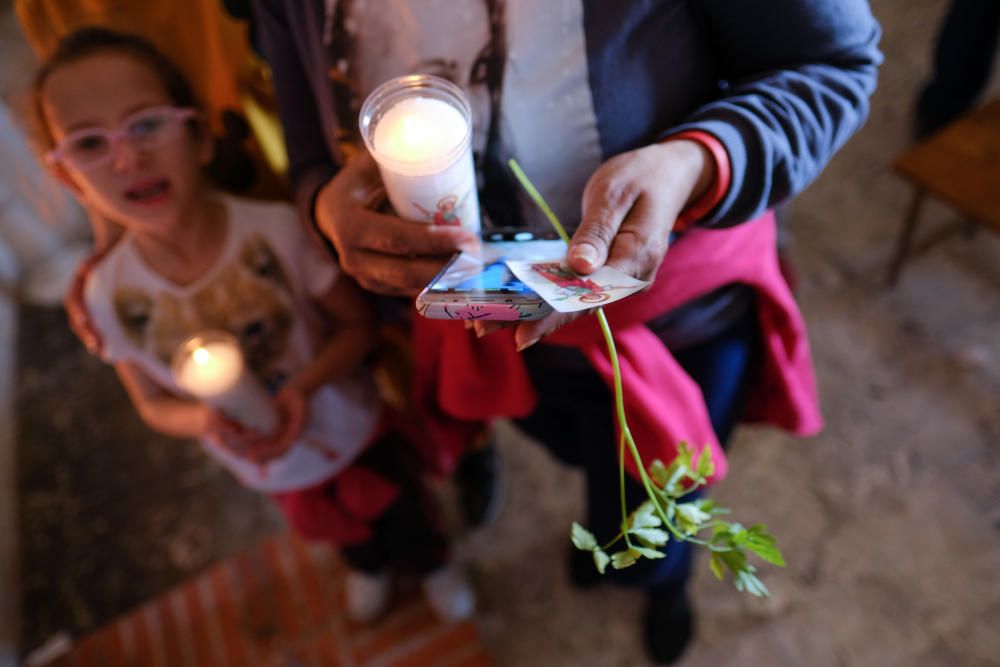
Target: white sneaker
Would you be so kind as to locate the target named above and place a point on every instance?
(449, 594)
(367, 595)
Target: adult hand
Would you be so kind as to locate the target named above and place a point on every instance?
(383, 253)
(630, 206)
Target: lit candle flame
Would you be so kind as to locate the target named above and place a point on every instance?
(201, 356)
(420, 130)
(414, 132)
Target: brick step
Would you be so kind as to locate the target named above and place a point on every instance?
(279, 605)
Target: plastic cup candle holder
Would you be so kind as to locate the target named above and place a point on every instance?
(210, 366)
(419, 130)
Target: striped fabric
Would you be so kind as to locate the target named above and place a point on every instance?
(278, 606)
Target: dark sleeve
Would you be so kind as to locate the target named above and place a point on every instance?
(800, 73)
(310, 161)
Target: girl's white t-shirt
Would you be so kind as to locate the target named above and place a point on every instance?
(261, 289)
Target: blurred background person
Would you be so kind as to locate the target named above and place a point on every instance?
(963, 60)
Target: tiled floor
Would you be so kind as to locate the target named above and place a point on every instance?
(277, 605)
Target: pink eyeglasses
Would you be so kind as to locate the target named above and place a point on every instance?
(146, 129)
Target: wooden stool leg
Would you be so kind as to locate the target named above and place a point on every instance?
(906, 236)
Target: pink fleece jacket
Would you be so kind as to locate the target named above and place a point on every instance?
(462, 381)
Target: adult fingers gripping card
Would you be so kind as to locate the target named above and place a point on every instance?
(567, 291)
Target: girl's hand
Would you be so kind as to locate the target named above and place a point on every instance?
(293, 409)
(230, 435)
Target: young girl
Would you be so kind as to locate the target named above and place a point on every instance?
(126, 138)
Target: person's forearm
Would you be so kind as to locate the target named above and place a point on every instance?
(311, 163)
(343, 353)
(800, 87)
(174, 417)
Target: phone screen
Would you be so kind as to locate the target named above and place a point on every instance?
(467, 274)
(487, 272)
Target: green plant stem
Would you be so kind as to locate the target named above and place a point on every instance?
(625, 434)
(536, 197)
(621, 487)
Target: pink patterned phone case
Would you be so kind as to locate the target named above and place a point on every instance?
(470, 310)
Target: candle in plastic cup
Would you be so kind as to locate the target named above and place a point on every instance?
(210, 367)
(419, 130)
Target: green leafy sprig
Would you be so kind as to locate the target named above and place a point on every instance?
(664, 515)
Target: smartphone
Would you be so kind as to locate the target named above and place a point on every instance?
(479, 286)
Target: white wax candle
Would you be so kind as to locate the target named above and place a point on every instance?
(418, 130)
(422, 131)
(211, 368)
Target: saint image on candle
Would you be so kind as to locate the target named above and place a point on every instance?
(446, 212)
(418, 128)
(210, 366)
